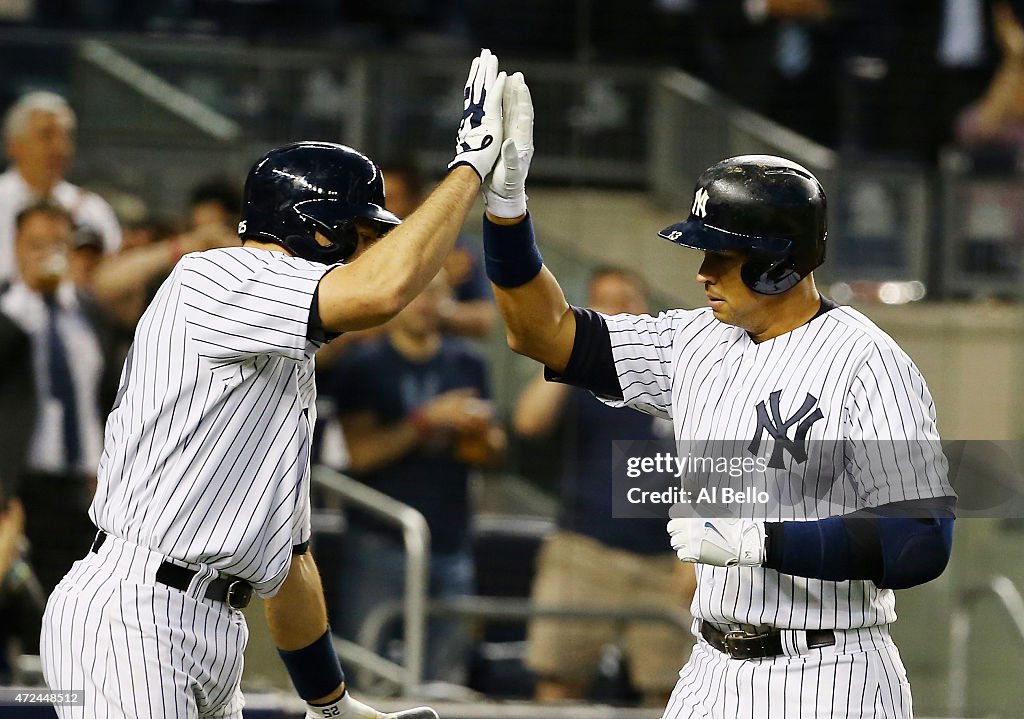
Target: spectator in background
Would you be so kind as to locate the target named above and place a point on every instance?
(39, 140)
(994, 125)
(21, 598)
(12, 522)
(940, 58)
(124, 283)
(85, 256)
(216, 201)
(472, 312)
(414, 408)
(776, 57)
(72, 387)
(147, 231)
(594, 560)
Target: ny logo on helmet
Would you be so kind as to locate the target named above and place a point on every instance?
(700, 201)
(778, 428)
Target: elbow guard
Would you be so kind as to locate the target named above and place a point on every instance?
(895, 552)
(914, 551)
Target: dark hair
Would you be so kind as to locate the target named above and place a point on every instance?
(43, 207)
(220, 190)
(602, 271)
(407, 171)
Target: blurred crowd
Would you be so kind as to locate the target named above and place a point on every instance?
(880, 77)
(407, 409)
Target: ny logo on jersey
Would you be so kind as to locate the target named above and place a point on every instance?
(803, 418)
(700, 201)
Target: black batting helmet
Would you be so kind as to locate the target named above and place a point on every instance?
(767, 206)
(303, 188)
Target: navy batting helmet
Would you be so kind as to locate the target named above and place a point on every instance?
(297, 190)
(767, 206)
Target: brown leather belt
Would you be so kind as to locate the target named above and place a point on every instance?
(743, 645)
(234, 592)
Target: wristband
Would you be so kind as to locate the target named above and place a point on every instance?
(314, 669)
(511, 257)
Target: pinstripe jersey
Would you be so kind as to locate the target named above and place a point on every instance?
(206, 452)
(866, 410)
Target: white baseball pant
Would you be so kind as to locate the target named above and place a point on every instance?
(861, 677)
(138, 648)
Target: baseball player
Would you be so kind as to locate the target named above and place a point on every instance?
(203, 486)
(792, 616)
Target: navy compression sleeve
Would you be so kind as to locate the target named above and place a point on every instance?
(896, 545)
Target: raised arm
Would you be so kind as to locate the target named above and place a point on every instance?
(376, 286)
(538, 321)
(125, 272)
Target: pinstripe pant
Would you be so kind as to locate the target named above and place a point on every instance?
(861, 677)
(137, 648)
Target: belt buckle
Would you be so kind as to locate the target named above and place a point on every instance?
(239, 593)
(734, 651)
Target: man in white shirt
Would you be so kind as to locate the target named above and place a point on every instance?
(71, 375)
(38, 138)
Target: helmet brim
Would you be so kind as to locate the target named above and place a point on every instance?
(378, 213)
(698, 235)
(334, 213)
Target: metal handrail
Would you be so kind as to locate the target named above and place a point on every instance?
(416, 536)
(515, 609)
(1003, 589)
(795, 145)
(512, 609)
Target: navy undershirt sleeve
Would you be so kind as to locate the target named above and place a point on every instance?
(896, 545)
(591, 365)
(315, 331)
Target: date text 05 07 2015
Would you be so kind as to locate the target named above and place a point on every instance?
(15, 696)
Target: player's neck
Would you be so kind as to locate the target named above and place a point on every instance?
(415, 348)
(268, 246)
(788, 311)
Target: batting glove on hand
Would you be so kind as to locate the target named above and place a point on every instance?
(480, 132)
(349, 708)
(719, 542)
(505, 190)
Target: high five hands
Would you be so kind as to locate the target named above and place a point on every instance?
(495, 135)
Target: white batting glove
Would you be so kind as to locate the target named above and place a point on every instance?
(480, 132)
(505, 190)
(719, 542)
(349, 708)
